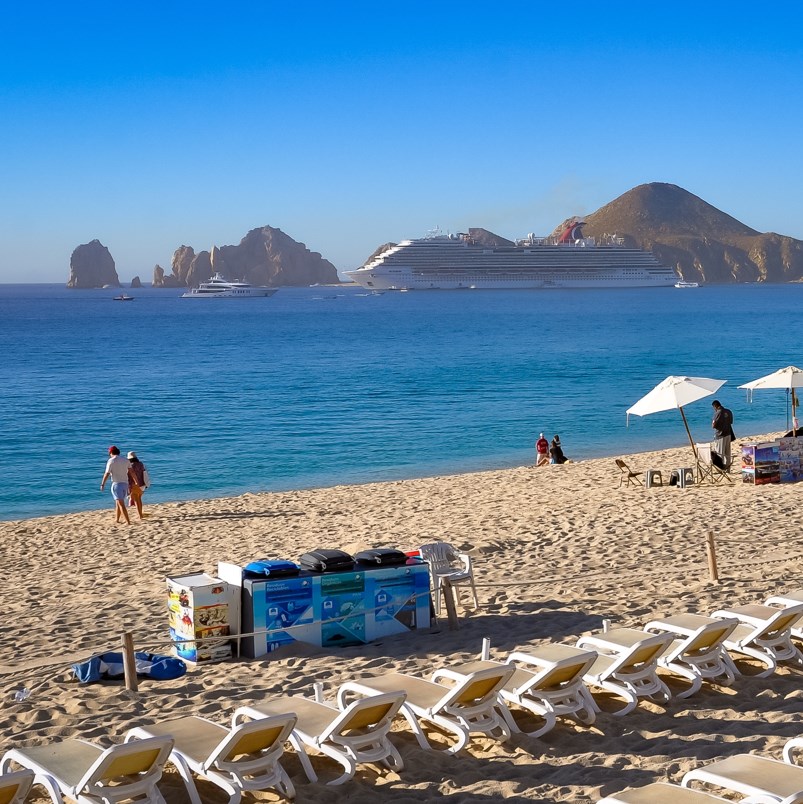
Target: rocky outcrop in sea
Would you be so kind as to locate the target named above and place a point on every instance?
(92, 266)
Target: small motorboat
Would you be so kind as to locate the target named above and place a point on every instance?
(123, 297)
(684, 284)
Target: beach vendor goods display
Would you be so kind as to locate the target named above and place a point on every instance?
(674, 393)
(110, 666)
(789, 378)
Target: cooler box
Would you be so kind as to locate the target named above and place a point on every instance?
(205, 610)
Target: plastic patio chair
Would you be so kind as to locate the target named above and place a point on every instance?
(446, 562)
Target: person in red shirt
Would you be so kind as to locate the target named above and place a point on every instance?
(542, 451)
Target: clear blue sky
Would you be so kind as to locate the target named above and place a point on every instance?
(349, 124)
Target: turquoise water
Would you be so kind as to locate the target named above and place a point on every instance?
(320, 386)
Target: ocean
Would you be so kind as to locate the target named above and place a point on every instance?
(322, 386)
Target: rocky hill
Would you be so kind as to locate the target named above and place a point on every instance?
(92, 266)
(265, 256)
(703, 243)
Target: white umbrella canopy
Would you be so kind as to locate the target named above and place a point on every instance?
(789, 378)
(674, 393)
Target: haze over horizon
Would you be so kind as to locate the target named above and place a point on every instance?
(351, 125)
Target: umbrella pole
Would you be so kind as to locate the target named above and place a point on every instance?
(688, 433)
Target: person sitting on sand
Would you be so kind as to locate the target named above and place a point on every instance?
(117, 470)
(542, 451)
(556, 451)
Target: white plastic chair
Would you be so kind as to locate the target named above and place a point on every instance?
(446, 562)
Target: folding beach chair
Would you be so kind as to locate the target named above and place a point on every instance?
(627, 476)
(351, 734)
(707, 470)
(466, 704)
(88, 774)
(245, 757)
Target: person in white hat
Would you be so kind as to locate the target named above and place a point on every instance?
(542, 451)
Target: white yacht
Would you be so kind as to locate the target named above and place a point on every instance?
(219, 288)
(568, 260)
(684, 284)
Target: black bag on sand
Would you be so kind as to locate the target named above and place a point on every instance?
(381, 557)
(326, 561)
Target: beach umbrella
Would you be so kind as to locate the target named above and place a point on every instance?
(675, 393)
(789, 378)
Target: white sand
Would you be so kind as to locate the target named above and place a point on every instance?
(555, 549)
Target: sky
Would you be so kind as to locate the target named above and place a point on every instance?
(351, 124)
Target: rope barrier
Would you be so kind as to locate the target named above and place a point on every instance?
(151, 647)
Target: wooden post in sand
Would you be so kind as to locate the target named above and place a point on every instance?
(712, 556)
(129, 663)
(451, 607)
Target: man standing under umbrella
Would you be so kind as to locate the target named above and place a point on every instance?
(723, 432)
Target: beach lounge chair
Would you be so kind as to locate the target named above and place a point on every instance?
(547, 681)
(752, 775)
(467, 703)
(785, 600)
(627, 475)
(764, 633)
(88, 774)
(351, 734)
(627, 665)
(446, 562)
(707, 470)
(14, 786)
(697, 652)
(663, 793)
(245, 757)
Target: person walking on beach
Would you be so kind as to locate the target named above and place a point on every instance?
(556, 451)
(723, 433)
(542, 451)
(136, 481)
(117, 470)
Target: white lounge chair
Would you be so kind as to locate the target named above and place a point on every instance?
(697, 650)
(15, 786)
(764, 633)
(352, 734)
(446, 562)
(467, 703)
(752, 775)
(785, 600)
(88, 774)
(663, 793)
(627, 665)
(547, 681)
(245, 757)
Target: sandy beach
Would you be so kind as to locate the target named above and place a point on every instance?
(556, 550)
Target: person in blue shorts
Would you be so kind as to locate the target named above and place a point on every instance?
(117, 470)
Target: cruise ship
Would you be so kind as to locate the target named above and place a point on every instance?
(567, 260)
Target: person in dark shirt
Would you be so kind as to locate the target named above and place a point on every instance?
(723, 433)
(556, 451)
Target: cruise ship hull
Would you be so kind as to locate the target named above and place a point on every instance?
(452, 263)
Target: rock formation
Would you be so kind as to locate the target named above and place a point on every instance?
(701, 242)
(136, 282)
(265, 256)
(92, 266)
